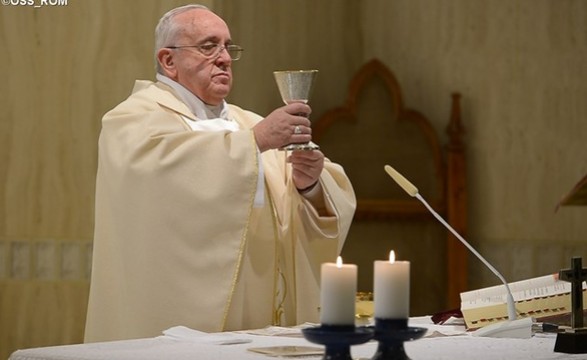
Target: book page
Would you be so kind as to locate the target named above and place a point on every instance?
(541, 297)
(523, 290)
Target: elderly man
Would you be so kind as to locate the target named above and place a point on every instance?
(200, 220)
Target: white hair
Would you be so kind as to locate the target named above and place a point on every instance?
(167, 29)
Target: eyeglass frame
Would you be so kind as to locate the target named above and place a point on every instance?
(228, 48)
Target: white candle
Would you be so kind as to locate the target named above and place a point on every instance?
(391, 289)
(338, 288)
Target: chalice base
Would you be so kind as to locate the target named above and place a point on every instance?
(303, 147)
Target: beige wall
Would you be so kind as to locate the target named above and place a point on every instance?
(519, 65)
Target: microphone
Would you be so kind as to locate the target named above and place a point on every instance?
(516, 328)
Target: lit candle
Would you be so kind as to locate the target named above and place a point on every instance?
(392, 288)
(338, 284)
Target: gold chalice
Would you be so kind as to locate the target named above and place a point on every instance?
(295, 86)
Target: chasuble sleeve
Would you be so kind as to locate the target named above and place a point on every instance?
(321, 239)
(314, 239)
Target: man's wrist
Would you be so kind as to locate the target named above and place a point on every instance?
(308, 189)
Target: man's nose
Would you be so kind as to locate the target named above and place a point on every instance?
(223, 55)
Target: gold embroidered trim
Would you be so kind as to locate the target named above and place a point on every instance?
(276, 309)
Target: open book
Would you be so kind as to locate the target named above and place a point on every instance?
(544, 298)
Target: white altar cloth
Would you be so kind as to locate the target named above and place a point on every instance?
(438, 347)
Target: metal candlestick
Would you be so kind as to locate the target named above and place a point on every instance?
(391, 335)
(338, 339)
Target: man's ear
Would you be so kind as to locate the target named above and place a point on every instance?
(167, 62)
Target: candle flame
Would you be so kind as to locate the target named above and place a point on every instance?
(339, 262)
(392, 256)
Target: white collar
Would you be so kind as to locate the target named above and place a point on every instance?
(202, 110)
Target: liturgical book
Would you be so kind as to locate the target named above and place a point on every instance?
(544, 298)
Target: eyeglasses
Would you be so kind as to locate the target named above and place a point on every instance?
(213, 50)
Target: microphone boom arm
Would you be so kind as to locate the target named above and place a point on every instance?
(510, 301)
(413, 191)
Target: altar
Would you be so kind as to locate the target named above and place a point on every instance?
(440, 342)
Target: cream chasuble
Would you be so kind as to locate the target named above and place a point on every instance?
(177, 239)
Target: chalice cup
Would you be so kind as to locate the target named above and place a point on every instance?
(295, 86)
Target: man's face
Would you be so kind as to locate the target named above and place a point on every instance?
(209, 78)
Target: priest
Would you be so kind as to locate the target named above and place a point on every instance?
(199, 219)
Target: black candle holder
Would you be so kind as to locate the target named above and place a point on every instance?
(338, 339)
(391, 335)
